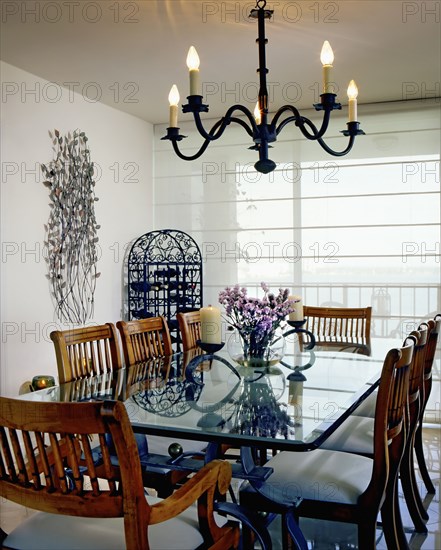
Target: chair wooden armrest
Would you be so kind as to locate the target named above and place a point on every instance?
(213, 479)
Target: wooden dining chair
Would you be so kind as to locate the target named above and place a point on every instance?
(86, 351)
(435, 328)
(144, 339)
(355, 436)
(190, 328)
(415, 408)
(419, 391)
(40, 440)
(343, 328)
(340, 486)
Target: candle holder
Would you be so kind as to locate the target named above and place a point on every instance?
(298, 330)
(327, 102)
(209, 355)
(296, 374)
(209, 347)
(42, 382)
(173, 134)
(353, 129)
(195, 105)
(296, 324)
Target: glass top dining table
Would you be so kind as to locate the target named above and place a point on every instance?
(293, 405)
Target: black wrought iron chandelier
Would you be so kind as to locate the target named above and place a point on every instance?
(257, 126)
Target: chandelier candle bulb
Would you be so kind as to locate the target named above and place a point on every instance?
(352, 95)
(193, 66)
(173, 98)
(257, 114)
(210, 325)
(327, 59)
(297, 315)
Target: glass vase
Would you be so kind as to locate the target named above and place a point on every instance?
(243, 350)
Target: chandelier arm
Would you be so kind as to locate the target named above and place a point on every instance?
(301, 122)
(191, 157)
(317, 134)
(280, 112)
(243, 124)
(221, 124)
(208, 141)
(337, 153)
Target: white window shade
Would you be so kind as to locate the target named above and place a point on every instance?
(360, 230)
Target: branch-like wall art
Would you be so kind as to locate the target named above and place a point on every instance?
(71, 231)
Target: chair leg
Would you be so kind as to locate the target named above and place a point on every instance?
(422, 461)
(367, 534)
(291, 526)
(410, 490)
(399, 528)
(391, 517)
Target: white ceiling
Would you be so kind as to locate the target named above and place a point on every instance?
(130, 53)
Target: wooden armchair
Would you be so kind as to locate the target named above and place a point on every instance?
(86, 351)
(190, 327)
(38, 440)
(344, 329)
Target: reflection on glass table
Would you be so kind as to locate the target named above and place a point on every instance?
(335, 383)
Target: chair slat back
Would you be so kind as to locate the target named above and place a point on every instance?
(389, 424)
(416, 381)
(86, 351)
(190, 328)
(335, 327)
(42, 447)
(434, 330)
(434, 326)
(144, 339)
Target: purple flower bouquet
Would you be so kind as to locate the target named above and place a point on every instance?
(256, 320)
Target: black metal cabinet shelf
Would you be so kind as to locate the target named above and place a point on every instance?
(164, 275)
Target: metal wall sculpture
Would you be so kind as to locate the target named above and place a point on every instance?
(71, 231)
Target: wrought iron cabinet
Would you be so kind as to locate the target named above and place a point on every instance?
(164, 276)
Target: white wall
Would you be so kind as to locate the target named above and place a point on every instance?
(121, 147)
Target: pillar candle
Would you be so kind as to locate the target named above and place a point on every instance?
(297, 315)
(211, 325)
(295, 399)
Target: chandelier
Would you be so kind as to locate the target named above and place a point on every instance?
(256, 124)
